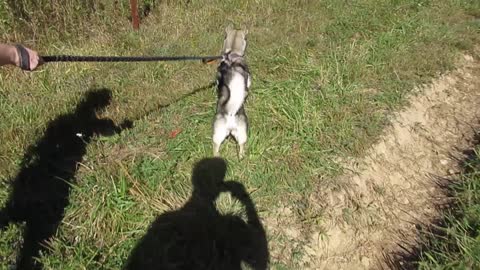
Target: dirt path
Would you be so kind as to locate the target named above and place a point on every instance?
(393, 189)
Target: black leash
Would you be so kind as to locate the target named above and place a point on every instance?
(25, 58)
(73, 58)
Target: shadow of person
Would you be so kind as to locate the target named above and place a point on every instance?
(197, 236)
(41, 189)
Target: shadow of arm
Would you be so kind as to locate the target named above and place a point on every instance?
(238, 191)
(260, 258)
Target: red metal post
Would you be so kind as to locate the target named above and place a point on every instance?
(135, 18)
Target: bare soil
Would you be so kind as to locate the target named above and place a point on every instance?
(394, 188)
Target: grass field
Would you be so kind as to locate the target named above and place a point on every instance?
(326, 75)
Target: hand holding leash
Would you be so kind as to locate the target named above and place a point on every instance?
(20, 56)
(26, 58)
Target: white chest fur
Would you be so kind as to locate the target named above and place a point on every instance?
(237, 93)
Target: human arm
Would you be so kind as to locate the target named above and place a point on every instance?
(238, 191)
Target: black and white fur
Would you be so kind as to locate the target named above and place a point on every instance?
(234, 81)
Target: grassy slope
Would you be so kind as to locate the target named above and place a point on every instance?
(326, 73)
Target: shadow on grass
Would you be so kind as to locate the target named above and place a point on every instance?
(165, 106)
(40, 191)
(197, 236)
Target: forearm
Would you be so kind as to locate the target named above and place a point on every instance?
(238, 191)
(8, 55)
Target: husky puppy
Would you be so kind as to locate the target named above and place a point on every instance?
(233, 82)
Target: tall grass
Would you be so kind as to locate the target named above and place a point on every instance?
(65, 20)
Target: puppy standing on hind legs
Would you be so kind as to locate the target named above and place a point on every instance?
(233, 78)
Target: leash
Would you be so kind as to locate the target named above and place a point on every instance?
(25, 58)
(74, 58)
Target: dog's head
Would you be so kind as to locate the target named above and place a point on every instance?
(235, 41)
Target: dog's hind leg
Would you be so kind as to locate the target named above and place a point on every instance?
(220, 133)
(240, 135)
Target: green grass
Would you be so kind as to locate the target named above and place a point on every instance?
(326, 74)
(456, 242)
